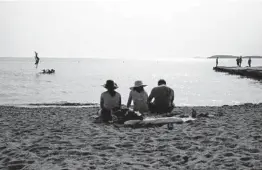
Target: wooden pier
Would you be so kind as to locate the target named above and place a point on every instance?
(251, 72)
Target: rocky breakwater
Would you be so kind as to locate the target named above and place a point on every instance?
(251, 72)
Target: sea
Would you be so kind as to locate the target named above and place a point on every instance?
(80, 80)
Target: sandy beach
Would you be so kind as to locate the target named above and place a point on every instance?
(66, 138)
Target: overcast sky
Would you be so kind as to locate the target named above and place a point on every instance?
(131, 28)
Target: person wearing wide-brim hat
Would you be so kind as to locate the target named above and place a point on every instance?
(110, 84)
(110, 100)
(139, 97)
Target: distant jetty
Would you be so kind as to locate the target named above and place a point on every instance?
(251, 72)
(232, 56)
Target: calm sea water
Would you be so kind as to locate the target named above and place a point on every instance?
(80, 80)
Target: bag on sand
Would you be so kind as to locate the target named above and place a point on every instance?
(123, 115)
(119, 116)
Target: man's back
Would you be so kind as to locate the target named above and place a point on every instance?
(163, 96)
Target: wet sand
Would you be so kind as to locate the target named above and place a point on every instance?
(67, 138)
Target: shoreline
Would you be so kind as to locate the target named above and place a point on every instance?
(96, 105)
(67, 138)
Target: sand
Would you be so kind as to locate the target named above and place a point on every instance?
(67, 138)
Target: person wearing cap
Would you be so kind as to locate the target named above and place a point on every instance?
(139, 97)
(163, 98)
(110, 101)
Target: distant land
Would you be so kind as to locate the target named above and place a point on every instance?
(232, 56)
(253, 57)
(199, 57)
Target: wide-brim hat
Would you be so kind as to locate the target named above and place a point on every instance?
(110, 84)
(138, 83)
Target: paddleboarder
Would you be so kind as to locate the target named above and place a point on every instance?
(37, 59)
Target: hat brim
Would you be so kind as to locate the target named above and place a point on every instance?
(131, 88)
(114, 87)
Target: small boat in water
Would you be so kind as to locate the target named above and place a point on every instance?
(48, 71)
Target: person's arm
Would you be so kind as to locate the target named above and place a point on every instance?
(129, 100)
(101, 102)
(150, 96)
(173, 96)
(146, 95)
(120, 102)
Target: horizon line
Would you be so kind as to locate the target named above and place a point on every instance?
(167, 58)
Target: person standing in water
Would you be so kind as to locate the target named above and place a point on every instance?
(249, 62)
(216, 61)
(37, 59)
(240, 61)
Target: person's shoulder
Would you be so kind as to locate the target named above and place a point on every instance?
(158, 89)
(132, 92)
(170, 88)
(155, 88)
(118, 94)
(104, 93)
(145, 93)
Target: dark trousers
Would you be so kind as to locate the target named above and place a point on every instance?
(106, 115)
(120, 116)
(153, 108)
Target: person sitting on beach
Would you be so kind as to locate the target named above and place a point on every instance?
(110, 101)
(139, 97)
(163, 98)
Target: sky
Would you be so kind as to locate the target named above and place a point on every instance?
(130, 28)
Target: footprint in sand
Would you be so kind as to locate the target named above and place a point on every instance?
(245, 158)
(14, 165)
(247, 164)
(257, 137)
(176, 158)
(37, 149)
(2, 148)
(183, 146)
(208, 155)
(101, 146)
(197, 137)
(230, 145)
(228, 154)
(177, 138)
(253, 150)
(125, 145)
